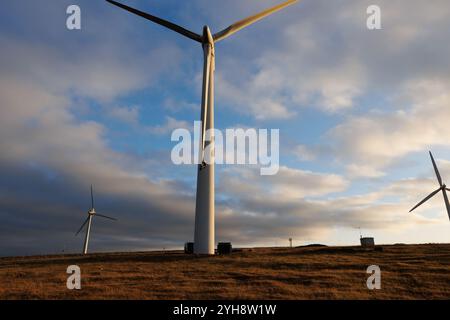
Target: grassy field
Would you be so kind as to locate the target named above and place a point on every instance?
(408, 272)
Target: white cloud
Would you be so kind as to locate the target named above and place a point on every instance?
(367, 171)
(128, 115)
(310, 152)
(282, 205)
(103, 79)
(322, 55)
(174, 105)
(170, 125)
(372, 142)
(289, 183)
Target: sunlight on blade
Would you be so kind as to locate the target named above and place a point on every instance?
(250, 20)
(205, 98)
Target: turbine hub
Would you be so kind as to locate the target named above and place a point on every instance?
(207, 36)
(91, 212)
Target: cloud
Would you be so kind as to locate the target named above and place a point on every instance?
(372, 142)
(128, 115)
(367, 171)
(174, 105)
(310, 153)
(49, 155)
(288, 183)
(170, 125)
(297, 203)
(52, 159)
(322, 55)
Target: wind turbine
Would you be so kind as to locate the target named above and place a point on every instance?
(442, 187)
(205, 210)
(88, 221)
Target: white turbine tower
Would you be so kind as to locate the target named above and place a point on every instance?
(204, 211)
(442, 187)
(88, 221)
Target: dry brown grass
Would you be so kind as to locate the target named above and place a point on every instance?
(408, 272)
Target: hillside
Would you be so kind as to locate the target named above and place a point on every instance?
(408, 272)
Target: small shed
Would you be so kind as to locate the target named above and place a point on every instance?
(224, 248)
(367, 242)
(189, 248)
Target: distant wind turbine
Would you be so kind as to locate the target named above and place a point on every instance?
(205, 209)
(442, 187)
(88, 221)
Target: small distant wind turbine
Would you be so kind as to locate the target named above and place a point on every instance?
(88, 221)
(442, 187)
(205, 206)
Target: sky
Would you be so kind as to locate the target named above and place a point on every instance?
(357, 111)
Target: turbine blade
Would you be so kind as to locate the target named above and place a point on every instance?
(92, 197)
(436, 170)
(426, 199)
(82, 226)
(205, 96)
(250, 20)
(447, 204)
(103, 216)
(160, 21)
